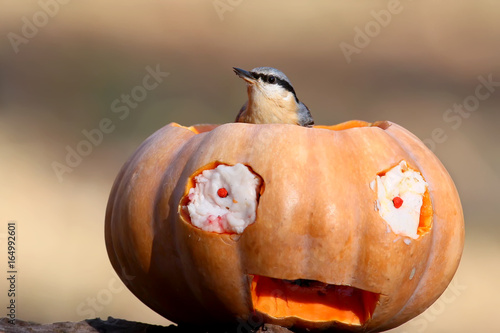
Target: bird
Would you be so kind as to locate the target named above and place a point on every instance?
(271, 99)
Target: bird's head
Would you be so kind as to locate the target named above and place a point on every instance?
(267, 85)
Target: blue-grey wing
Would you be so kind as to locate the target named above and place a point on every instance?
(305, 117)
(243, 108)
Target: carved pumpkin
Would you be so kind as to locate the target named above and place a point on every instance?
(355, 226)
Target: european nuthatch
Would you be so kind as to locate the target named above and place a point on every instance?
(271, 99)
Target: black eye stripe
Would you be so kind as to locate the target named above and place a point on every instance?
(278, 81)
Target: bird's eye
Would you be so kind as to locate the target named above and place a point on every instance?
(271, 79)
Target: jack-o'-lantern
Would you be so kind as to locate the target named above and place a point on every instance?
(356, 226)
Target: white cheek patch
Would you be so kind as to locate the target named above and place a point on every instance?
(224, 199)
(400, 195)
(273, 92)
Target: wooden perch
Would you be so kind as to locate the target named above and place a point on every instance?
(112, 325)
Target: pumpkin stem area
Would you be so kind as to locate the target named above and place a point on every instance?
(312, 300)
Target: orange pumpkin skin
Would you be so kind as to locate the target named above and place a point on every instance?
(316, 220)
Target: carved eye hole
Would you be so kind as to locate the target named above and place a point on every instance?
(403, 200)
(222, 198)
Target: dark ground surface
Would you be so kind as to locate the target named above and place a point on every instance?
(112, 325)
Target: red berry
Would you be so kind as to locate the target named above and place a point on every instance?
(397, 201)
(222, 192)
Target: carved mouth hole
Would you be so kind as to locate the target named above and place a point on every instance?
(312, 300)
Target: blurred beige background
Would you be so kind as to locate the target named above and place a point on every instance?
(63, 65)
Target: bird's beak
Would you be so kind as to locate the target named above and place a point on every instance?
(245, 75)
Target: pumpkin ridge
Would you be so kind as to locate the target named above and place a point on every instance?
(145, 150)
(420, 282)
(423, 281)
(427, 259)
